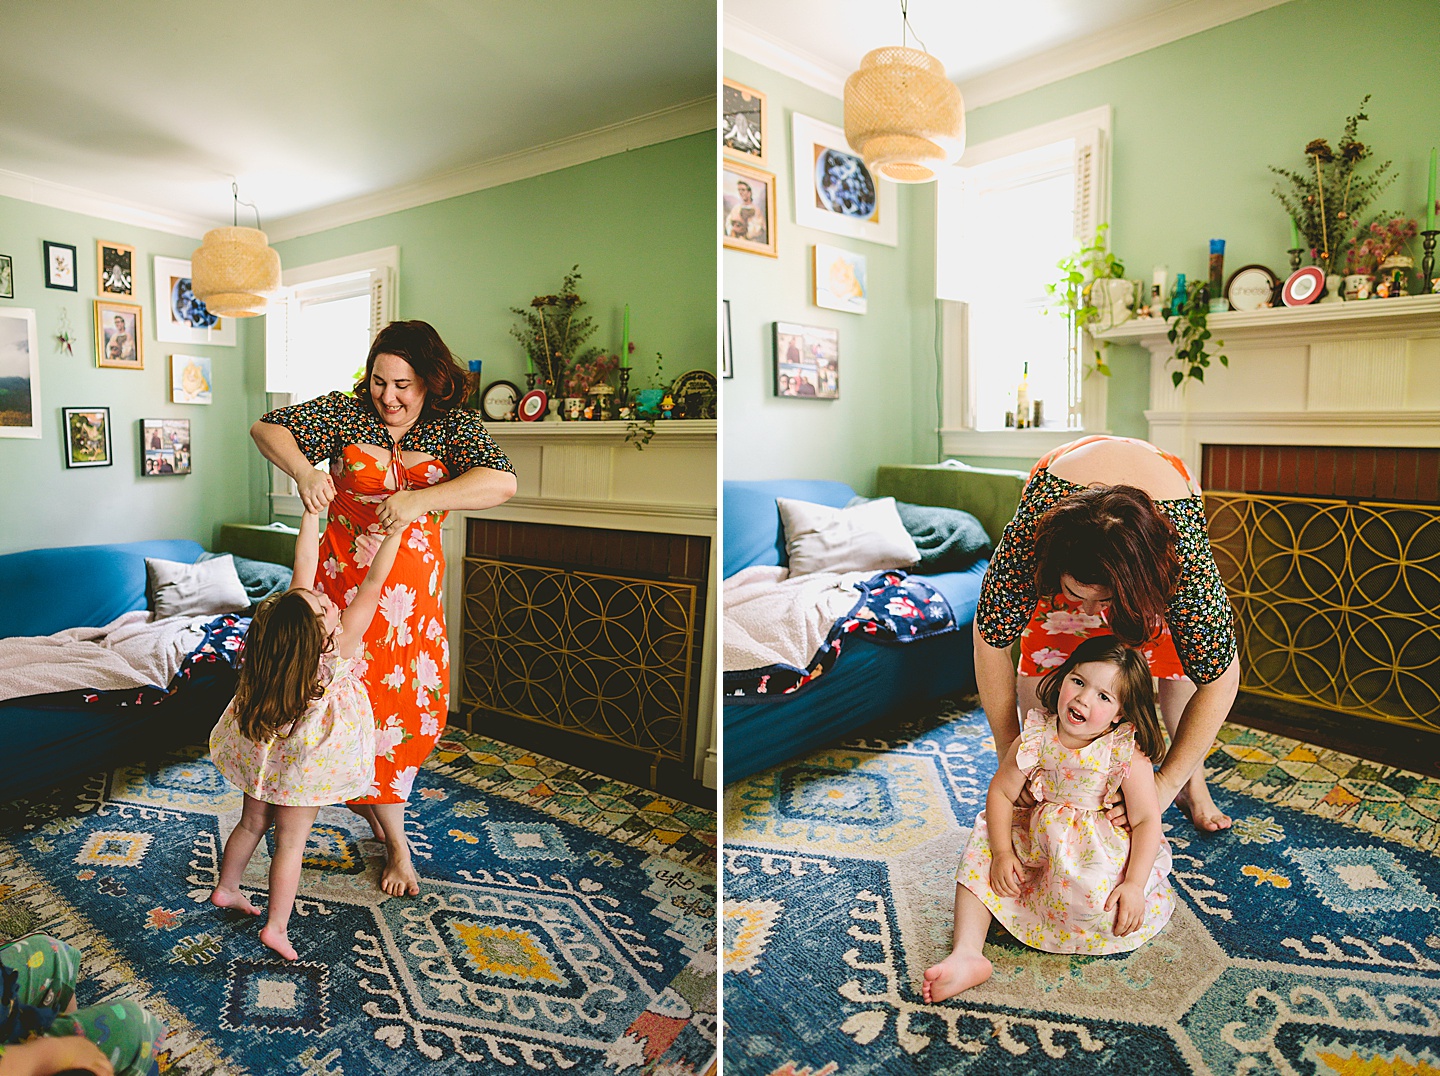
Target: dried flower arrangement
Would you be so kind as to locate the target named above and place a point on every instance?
(1386, 239)
(1326, 206)
(584, 374)
(552, 335)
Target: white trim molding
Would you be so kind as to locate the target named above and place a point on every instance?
(759, 45)
(25, 188)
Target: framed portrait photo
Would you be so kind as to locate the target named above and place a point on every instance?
(190, 379)
(747, 209)
(116, 265)
(180, 318)
(164, 446)
(839, 279)
(807, 361)
(7, 277)
(60, 267)
(834, 191)
(744, 123)
(19, 374)
(87, 437)
(119, 335)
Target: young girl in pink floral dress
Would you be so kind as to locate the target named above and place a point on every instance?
(1059, 876)
(300, 732)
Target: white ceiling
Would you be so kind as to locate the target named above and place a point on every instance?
(318, 104)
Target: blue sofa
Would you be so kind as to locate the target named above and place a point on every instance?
(870, 679)
(49, 739)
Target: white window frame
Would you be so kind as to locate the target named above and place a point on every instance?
(959, 435)
(383, 268)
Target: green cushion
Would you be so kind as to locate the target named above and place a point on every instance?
(990, 495)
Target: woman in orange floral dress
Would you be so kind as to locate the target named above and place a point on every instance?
(402, 452)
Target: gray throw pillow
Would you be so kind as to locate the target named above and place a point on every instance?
(208, 587)
(866, 538)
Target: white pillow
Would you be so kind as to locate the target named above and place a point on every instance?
(868, 537)
(207, 587)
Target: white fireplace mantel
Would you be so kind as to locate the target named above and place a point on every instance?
(1359, 374)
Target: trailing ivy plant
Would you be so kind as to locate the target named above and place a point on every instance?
(1071, 293)
(1189, 332)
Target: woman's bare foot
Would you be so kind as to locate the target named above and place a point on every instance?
(955, 974)
(224, 897)
(399, 878)
(279, 941)
(1194, 799)
(367, 812)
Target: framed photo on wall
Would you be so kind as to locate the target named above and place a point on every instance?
(744, 123)
(7, 277)
(116, 263)
(838, 282)
(87, 437)
(190, 379)
(19, 374)
(180, 318)
(164, 446)
(119, 335)
(60, 267)
(747, 208)
(834, 191)
(807, 361)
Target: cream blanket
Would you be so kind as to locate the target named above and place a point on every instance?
(128, 652)
(774, 619)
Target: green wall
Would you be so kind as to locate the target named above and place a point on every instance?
(883, 405)
(640, 223)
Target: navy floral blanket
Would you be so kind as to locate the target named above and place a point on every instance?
(894, 607)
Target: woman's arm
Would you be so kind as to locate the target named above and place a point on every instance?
(473, 491)
(355, 620)
(1204, 714)
(1006, 873)
(995, 681)
(307, 552)
(1143, 810)
(278, 445)
(48, 1055)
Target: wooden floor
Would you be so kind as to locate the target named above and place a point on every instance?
(1378, 741)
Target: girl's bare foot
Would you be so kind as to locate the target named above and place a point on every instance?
(367, 812)
(225, 897)
(955, 974)
(399, 878)
(279, 941)
(1194, 799)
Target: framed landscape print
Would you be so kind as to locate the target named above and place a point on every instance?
(116, 264)
(834, 191)
(7, 277)
(180, 318)
(164, 446)
(839, 279)
(87, 437)
(119, 335)
(744, 123)
(807, 361)
(19, 374)
(747, 208)
(189, 379)
(60, 267)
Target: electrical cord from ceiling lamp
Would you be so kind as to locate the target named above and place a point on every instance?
(234, 271)
(903, 116)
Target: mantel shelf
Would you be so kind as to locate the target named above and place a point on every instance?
(1329, 319)
(667, 431)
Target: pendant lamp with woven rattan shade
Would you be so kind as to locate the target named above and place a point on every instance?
(902, 115)
(235, 271)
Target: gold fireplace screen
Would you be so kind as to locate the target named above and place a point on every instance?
(1337, 603)
(605, 656)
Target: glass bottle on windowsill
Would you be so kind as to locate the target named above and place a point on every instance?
(1022, 399)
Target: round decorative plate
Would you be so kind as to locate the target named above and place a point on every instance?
(1304, 286)
(843, 184)
(497, 402)
(694, 393)
(1251, 287)
(532, 405)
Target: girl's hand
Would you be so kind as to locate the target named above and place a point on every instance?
(401, 508)
(59, 1053)
(1006, 874)
(1128, 900)
(317, 489)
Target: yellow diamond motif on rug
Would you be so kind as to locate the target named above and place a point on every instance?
(505, 952)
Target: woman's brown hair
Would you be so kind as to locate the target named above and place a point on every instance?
(1136, 690)
(420, 345)
(280, 672)
(1114, 537)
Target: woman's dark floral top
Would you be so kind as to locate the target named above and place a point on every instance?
(1200, 616)
(327, 425)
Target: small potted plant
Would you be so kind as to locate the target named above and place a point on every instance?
(590, 374)
(1382, 254)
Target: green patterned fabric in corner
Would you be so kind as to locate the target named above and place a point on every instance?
(991, 496)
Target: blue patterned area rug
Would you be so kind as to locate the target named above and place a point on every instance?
(1307, 940)
(565, 921)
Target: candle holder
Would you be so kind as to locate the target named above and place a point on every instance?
(1295, 255)
(529, 381)
(622, 395)
(1427, 263)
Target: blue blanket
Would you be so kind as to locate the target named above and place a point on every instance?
(893, 608)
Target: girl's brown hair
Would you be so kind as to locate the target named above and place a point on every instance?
(1114, 537)
(280, 672)
(420, 345)
(1136, 691)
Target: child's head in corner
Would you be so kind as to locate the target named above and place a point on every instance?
(1101, 684)
(280, 673)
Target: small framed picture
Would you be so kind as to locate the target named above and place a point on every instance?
(164, 446)
(60, 267)
(119, 335)
(839, 279)
(87, 437)
(180, 318)
(747, 208)
(807, 361)
(834, 191)
(189, 379)
(7, 277)
(116, 263)
(727, 351)
(744, 122)
(19, 374)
